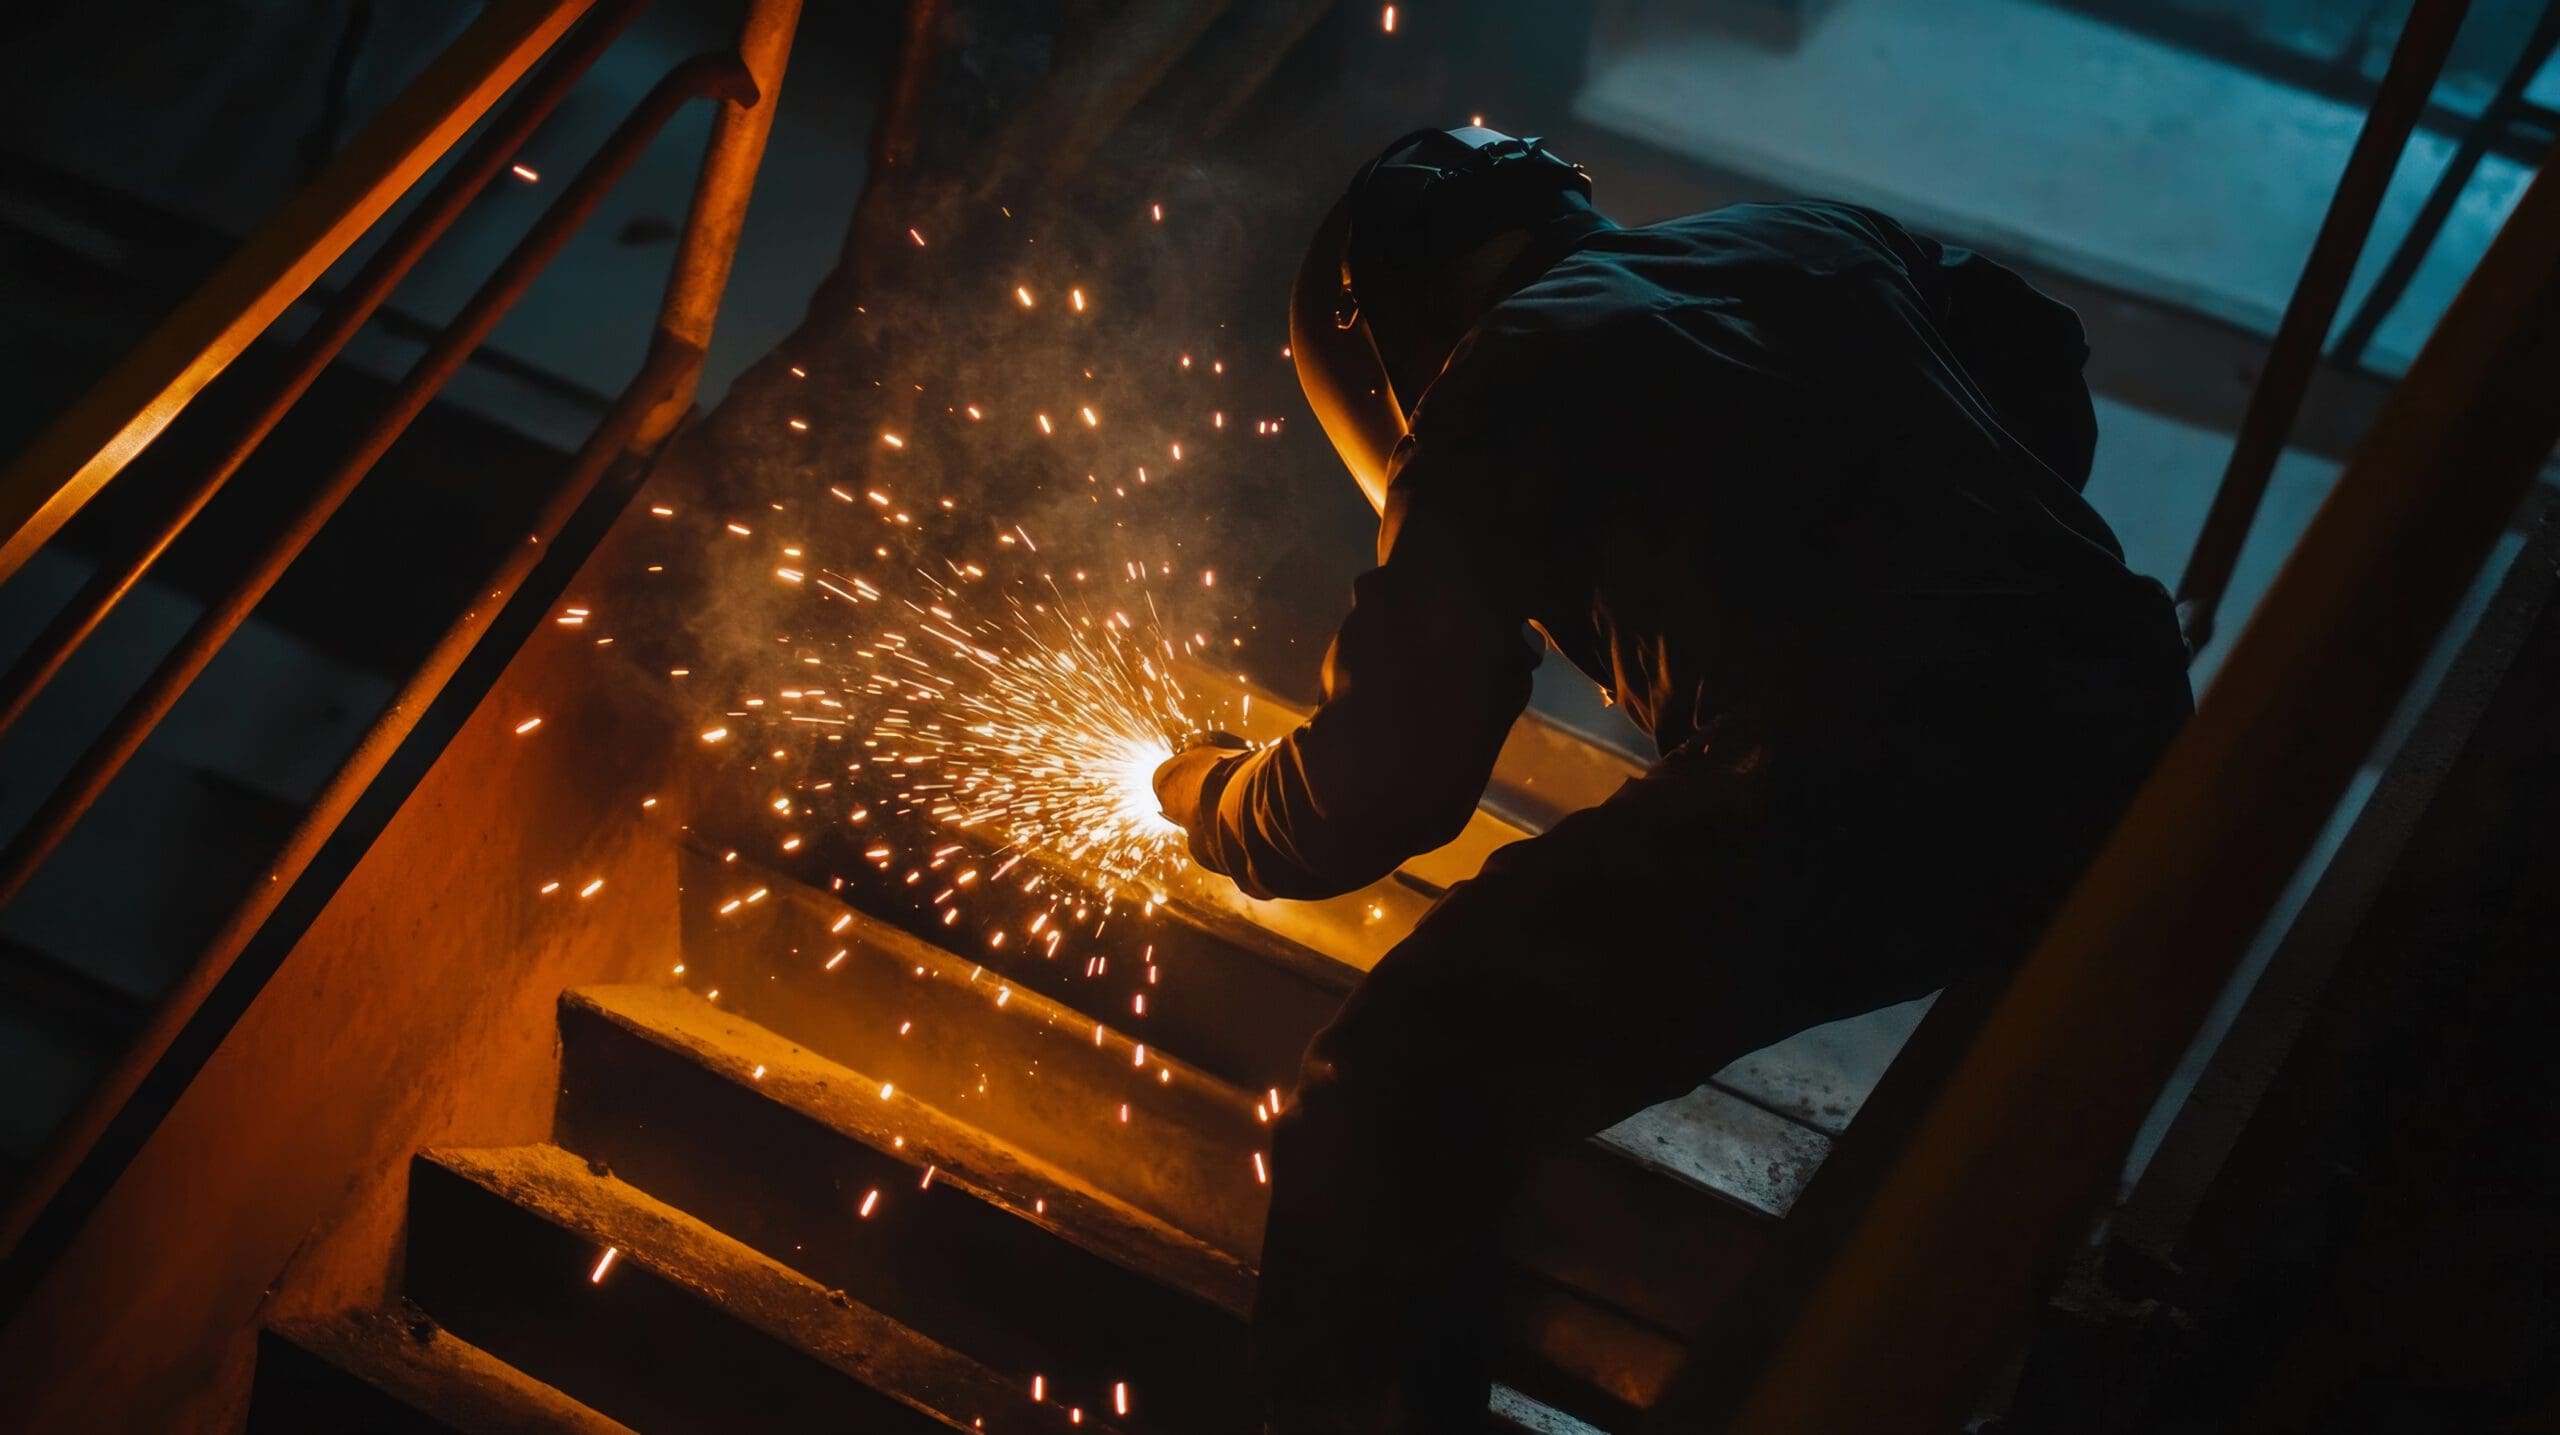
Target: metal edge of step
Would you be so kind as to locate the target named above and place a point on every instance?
(561, 1189)
(1025, 1002)
(1758, 1081)
(764, 1065)
(407, 1359)
(835, 1096)
(1517, 1414)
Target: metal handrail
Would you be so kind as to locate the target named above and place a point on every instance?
(1901, 1328)
(96, 438)
(78, 790)
(2426, 38)
(2496, 118)
(488, 157)
(89, 1150)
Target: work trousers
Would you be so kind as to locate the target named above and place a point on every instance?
(1747, 887)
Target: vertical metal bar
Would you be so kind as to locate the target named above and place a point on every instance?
(72, 797)
(728, 179)
(117, 419)
(2033, 1123)
(2495, 116)
(2294, 354)
(45, 657)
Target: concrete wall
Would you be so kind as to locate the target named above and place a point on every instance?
(416, 1011)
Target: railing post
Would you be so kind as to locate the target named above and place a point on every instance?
(719, 214)
(2426, 37)
(1899, 1331)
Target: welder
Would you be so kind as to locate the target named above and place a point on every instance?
(1801, 491)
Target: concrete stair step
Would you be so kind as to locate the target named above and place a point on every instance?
(650, 1316)
(914, 1212)
(909, 1210)
(396, 1372)
(1023, 1067)
(1657, 1220)
(1226, 993)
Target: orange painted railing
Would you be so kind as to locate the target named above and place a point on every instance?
(95, 441)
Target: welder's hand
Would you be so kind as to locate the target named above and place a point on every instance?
(1188, 782)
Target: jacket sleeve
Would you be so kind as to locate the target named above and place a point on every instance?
(1422, 683)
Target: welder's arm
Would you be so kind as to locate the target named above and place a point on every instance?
(1422, 683)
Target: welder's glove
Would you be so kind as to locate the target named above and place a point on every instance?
(1188, 783)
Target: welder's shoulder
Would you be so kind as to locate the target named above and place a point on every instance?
(1801, 234)
(1560, 346)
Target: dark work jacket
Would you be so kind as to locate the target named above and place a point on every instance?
(1739, 468)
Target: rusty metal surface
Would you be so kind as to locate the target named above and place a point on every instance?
(2426, 37)
(118, 418)
(2034, 1120)
(347, 313)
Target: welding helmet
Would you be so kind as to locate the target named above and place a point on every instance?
(1428, 199)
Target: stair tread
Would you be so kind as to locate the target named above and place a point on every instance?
(1515, 1412)
(440, 1375)
(837, 1098)
(752, 1288)
(961, 1155)
(1711, 1140)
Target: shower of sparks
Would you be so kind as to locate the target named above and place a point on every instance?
(1042, 727)
(964, 728)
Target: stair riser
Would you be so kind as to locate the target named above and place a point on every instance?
(714, 1140)
(636, 1347)
(1202, 983)
(1020, 1069)
(298, 1393)
(935, 1257)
